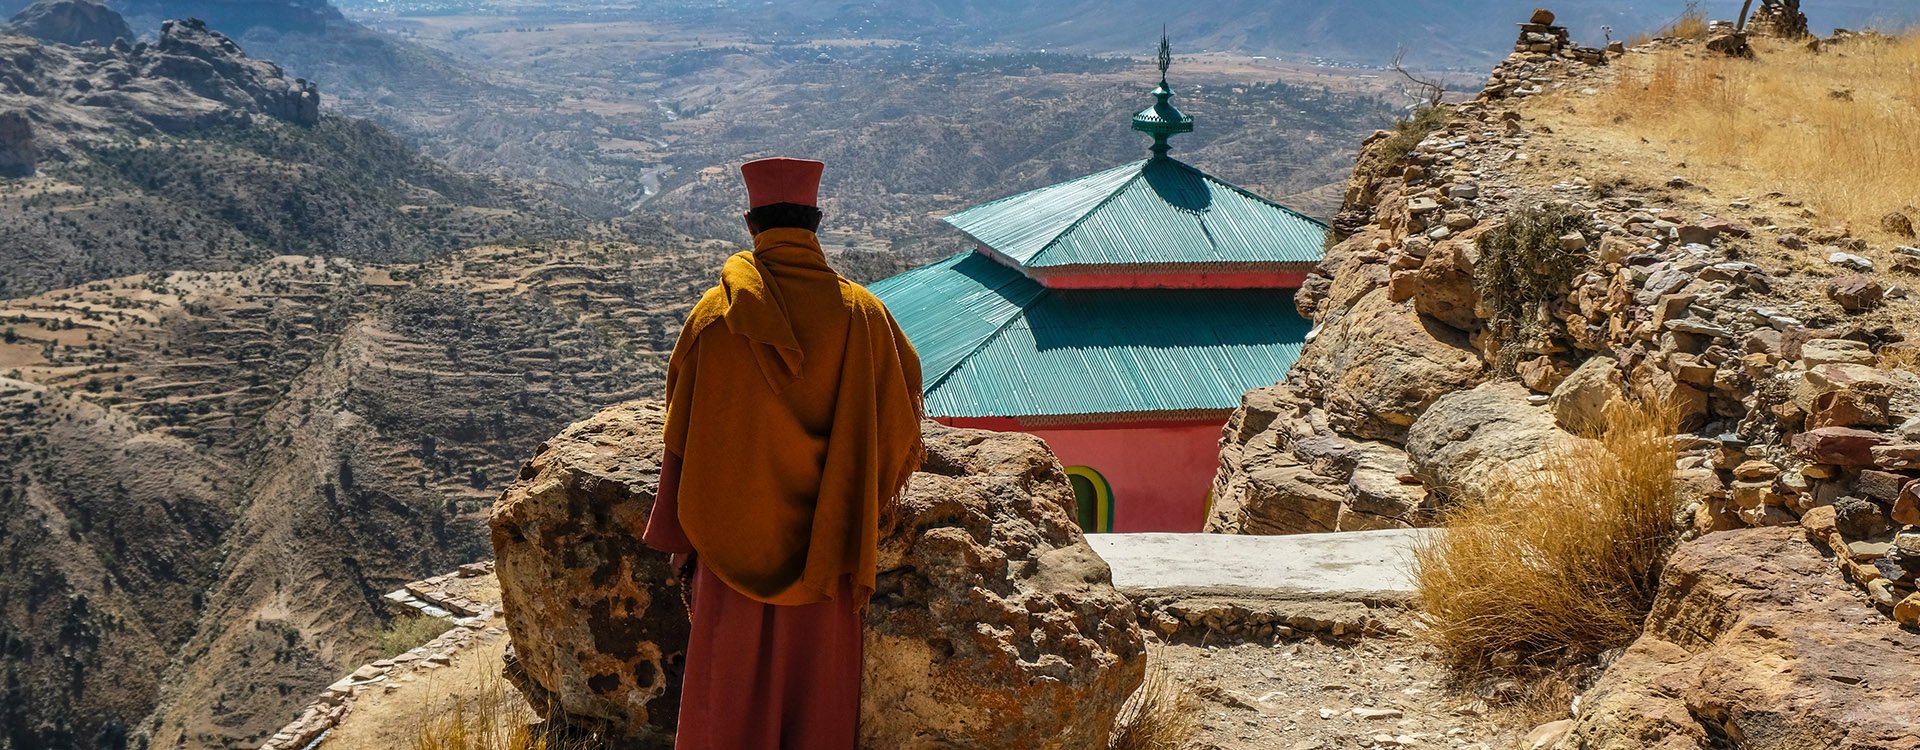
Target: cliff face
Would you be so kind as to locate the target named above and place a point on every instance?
(1661, 291)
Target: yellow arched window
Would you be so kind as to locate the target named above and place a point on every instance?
(1093, 499)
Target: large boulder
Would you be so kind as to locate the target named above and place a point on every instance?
(994, 624)
(1757, 642)
(598, 632)
(1380, 364)
(1470, 437)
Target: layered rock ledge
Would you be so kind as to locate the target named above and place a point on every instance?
(994, 625)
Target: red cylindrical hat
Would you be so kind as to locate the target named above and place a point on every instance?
(782, 180)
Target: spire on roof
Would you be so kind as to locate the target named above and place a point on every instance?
(1163, 120)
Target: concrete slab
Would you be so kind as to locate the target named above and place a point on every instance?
(1341, 563)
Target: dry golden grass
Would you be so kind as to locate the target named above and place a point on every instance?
(1559, 563)
(1835, 128)
(1692, 24)
(493, 717)
(1160, 715)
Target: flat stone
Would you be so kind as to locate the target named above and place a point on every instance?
(1333, 563)
(1756, 470)
(1817, 352)
(1377, 713)
(1897, 456)
(1850, 261)
(1841, 446)
(1419, 206)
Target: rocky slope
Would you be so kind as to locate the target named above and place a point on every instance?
(1421, 374)
(993, 624)
(186, 153)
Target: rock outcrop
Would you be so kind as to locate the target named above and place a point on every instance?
(994, 624)
(74, 22)
(190, 78)
(1755, 642)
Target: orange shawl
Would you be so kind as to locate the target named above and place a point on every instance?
(794, 405)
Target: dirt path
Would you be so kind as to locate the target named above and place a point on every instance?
(1309, 695)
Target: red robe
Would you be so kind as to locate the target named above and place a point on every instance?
(760, 676)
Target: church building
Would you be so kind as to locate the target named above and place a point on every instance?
(1118, 316)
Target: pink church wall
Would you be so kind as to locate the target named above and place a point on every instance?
(1160, 472)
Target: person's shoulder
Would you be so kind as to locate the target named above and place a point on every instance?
(859, 299)
(711, 307)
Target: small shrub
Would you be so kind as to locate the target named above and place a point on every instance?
(1407, 133)
(1159, 715)
(1560, 563)
(408, 632)
(1523, 269)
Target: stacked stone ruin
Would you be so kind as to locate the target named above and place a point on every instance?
(429, 597)
(1539, 36)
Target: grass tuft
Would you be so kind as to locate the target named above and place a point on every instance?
(1559, 564)
(1160, 715)
(408, 632)
(493, 718)
(1692, 24)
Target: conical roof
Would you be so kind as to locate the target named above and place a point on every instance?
(1152, 212)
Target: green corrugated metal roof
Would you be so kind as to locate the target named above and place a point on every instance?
(1150, 211)
(993, 343)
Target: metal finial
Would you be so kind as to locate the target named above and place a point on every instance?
(1163, 120)
(1166, 55)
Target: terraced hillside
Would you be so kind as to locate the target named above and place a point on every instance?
(213, 475)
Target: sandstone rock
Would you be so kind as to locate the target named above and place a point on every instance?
(1842, 446)
(1541, 17)
(1469, 437)
(994, 625)
(598, 634)
(1755, 635)
(1817, 352)
(1906, 507)
(1898, 224)
(1546, 736)
(1541, 374)
(1445, 289)
(1856, 293)
(1379, 365)
(1580, 401)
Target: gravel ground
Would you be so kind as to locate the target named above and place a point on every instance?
(1308, 695)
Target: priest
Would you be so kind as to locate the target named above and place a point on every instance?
(793, 425)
